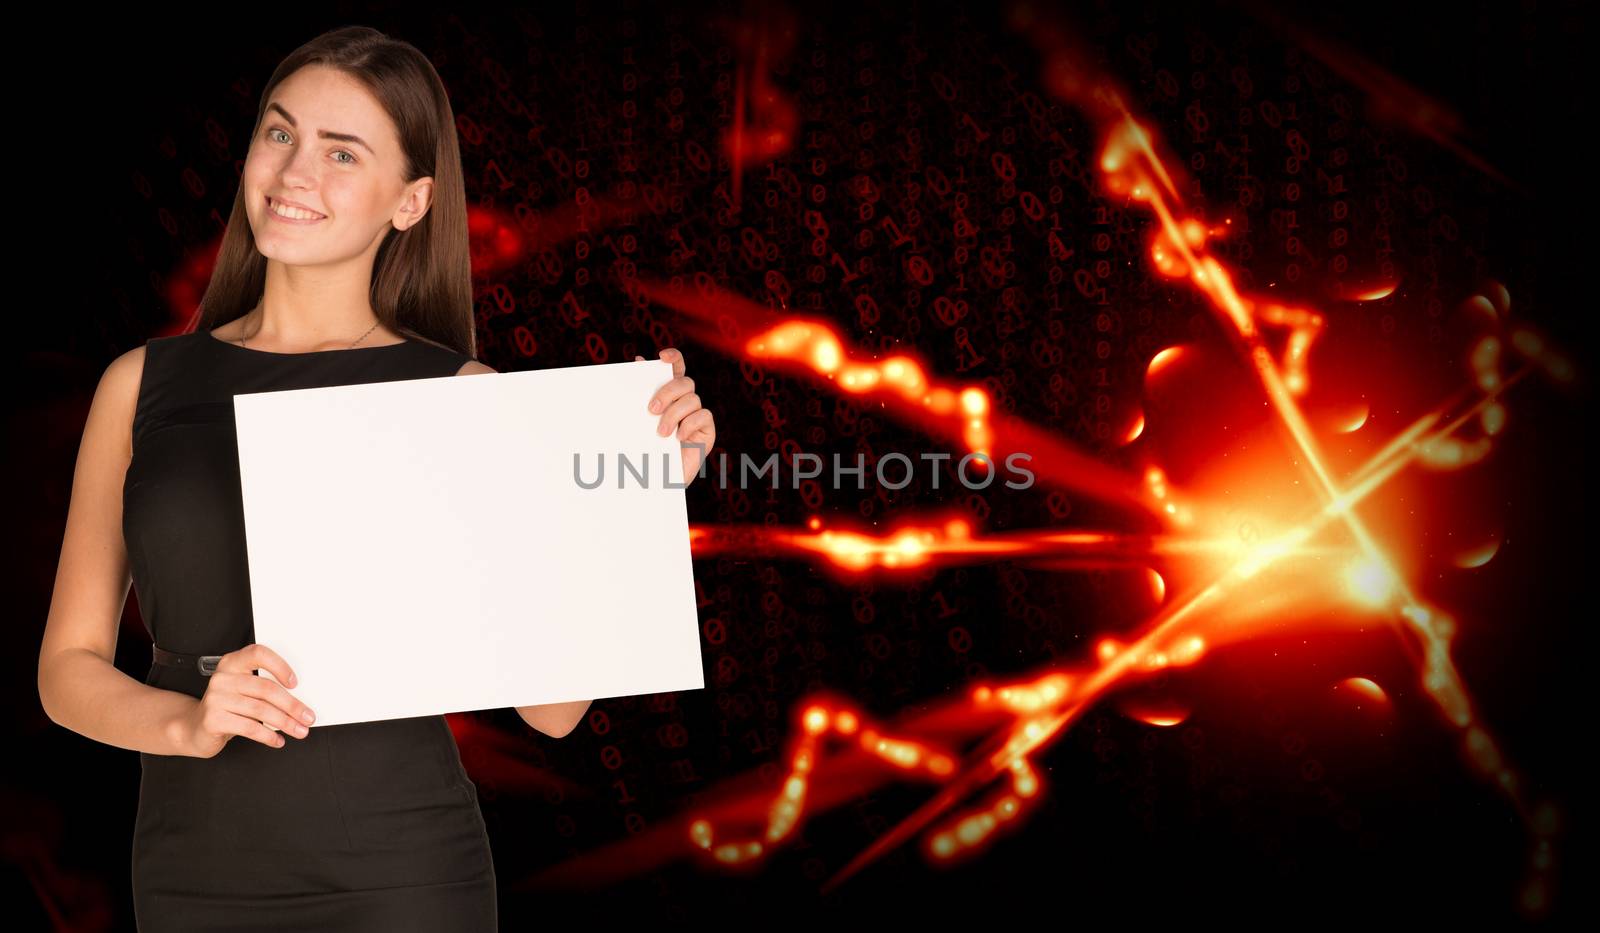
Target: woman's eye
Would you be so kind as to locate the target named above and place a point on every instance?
(272, 134)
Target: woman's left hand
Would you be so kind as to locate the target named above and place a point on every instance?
(680, 412)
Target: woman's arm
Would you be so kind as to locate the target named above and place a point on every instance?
(79, 685)
(86, 693)
(553, 719)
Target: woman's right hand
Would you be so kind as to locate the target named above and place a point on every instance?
(237, 702)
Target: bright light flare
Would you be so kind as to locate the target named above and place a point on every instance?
(1370, 582)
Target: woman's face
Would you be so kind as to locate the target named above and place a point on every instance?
(327, 145)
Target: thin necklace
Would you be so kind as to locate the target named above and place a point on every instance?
(351, 347)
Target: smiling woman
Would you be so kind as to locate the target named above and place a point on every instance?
(345, 261)
(331, 178)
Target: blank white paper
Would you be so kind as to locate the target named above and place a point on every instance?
(424, 546)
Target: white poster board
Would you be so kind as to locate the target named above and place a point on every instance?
(425, 546)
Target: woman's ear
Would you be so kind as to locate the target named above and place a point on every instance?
(419, 197)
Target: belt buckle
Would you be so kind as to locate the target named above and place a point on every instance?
(207, 664)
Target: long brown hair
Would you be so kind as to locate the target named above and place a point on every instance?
(421, 276)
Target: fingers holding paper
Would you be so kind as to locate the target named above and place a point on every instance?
(236, 702)
(682, 414)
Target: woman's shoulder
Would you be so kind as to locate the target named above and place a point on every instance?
(162, 341)
(458, 363)
(153, 352)
(415, 337)
(465, 361)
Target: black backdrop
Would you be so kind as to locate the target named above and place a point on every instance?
(1212, 819)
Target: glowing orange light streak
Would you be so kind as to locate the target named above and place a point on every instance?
(1184, 631)
(1128, 139)
(1374, 575)
(1027, 701)
(817, 345)
(921, 545)
(1050, 702)
(724, 317)
(817, 721)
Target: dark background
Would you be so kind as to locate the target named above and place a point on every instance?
(1219, 817)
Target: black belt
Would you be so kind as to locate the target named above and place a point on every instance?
(206, 664)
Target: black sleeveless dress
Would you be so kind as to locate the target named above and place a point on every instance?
(360, 826)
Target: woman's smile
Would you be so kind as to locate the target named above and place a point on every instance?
(292, 215)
